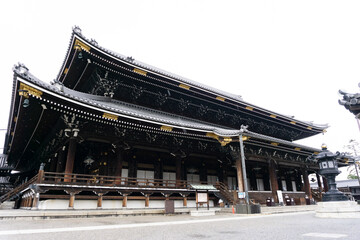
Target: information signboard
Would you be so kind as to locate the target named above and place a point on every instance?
(202, 197)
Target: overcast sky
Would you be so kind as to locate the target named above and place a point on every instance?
(290, 57)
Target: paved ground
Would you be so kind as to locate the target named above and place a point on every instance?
(225, 226)
(7, 214)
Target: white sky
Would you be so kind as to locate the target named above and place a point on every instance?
(290, 57)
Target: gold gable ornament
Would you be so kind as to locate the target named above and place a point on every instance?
(26, 90)
(78, 45)
(222, 140)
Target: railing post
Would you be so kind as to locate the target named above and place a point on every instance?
(99, 200)
(147, 200)
(124, 202)
(41, 173)
(35, 202)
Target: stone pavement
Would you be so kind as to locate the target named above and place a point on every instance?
(52, 214)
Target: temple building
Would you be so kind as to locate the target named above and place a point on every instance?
(113, 132)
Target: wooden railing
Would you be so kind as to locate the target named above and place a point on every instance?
(317, 194)
(99, 180)
(18, 189)
(225, 192)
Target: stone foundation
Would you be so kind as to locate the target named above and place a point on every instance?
(58, 204)
(338, 209)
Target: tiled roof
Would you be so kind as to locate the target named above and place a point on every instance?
(129, 60)
(128, 110)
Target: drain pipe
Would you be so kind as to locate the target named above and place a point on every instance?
(243, 167)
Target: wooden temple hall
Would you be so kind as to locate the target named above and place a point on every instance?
(113, 132)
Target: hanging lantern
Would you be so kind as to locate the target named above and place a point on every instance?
(26, 103)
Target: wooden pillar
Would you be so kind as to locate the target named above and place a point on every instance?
(69, 167)
(118, 165)
(124, 203)
(273, 179)
(239, 174)
(326, 185)
(71, 200)
(40, 173)
(178, 170)
(147, 200)
(185, 201)
(307, 187)
(99, 200)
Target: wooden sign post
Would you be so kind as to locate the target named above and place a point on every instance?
(202, 197)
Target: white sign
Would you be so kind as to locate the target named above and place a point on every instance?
(241, 195)
(202, 197)
(280, 197)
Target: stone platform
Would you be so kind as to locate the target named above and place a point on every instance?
(338, 209)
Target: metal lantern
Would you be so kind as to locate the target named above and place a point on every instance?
(329, 169)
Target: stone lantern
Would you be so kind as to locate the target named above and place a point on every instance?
(329, 169)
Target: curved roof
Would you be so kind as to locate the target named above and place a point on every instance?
(351, 101)
(135, 112)
(77, 34)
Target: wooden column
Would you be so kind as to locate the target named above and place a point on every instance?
(69, 167)
(307, 187)
(178, 170)
(273, 179)
(147, 200)
(124, 203)
(118, 165)
(239, 174)
(71, 200)
(99, 200)
(185, 201)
